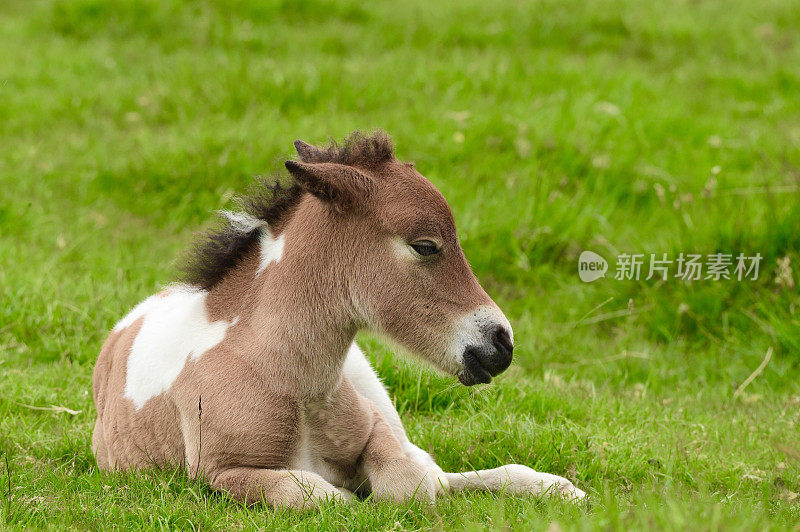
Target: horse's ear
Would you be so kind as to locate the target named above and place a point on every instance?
(308, 153)
(344, 187)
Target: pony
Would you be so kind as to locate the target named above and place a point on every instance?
(246, 372)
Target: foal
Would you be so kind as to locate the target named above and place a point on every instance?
(248, 375)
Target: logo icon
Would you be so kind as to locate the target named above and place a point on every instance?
(591, 266)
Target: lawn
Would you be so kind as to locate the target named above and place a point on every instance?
(552, 127)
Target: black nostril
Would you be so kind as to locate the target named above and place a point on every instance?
(503, 349)
(502, 341)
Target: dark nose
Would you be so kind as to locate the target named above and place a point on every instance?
(481, 363)
(504, 348)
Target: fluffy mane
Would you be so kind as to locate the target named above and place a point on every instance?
(357, 149)
(218, 250)
(268, 203)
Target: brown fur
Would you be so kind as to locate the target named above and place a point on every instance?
(273, 389)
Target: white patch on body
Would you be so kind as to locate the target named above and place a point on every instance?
(271, 249)
(303, 458)
(470, 330)
(175, 327)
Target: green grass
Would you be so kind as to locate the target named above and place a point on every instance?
(551, 127)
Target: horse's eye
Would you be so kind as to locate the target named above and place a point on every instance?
(425, 247)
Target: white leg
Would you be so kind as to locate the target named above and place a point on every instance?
(362, 376)
(364, 379)
(514, 478)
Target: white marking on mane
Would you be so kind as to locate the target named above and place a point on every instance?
(271, 249)
(175, 327)
(243, 222)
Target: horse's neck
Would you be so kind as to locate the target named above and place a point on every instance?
(292, 325)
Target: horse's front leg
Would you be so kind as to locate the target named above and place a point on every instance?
(514, 479)
(391, 473)
(287, 488)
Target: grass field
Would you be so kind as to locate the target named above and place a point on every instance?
(552, 127)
